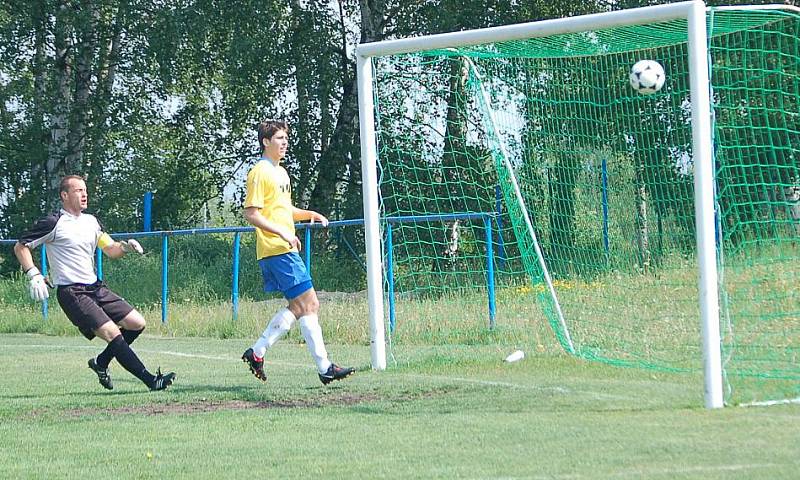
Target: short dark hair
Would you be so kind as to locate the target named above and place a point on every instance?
(64, 185)
(267, 129)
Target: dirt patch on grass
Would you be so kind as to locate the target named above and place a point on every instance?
(204, 406)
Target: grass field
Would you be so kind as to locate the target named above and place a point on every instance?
(451, 411)
(447, 407)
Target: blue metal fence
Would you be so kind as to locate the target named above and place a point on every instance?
(486, 218)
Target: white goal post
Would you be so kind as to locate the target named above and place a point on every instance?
(694, 12)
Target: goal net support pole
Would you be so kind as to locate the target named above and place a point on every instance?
(486, 101)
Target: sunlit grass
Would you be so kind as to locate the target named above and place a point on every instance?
(440, 411)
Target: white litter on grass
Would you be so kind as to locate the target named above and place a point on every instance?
(515, 356)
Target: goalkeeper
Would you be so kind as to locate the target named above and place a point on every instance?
(71, 238)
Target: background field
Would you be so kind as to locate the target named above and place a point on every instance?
(452, 411)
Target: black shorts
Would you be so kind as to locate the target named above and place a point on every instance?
(88, 307)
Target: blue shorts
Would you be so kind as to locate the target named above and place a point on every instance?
(285, 273)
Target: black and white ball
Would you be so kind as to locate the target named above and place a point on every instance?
(647, 76)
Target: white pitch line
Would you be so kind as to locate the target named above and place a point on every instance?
(770, 403)
(188, 355)
(490, 383)
(221, 358)
(63, 347)
(651, 472)
(163, 352)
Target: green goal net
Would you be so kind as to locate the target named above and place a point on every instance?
(539, 155)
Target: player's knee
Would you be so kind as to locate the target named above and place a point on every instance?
(312, 307)
(311, 303)
(133, 321)
(306, 304)
(107, 331)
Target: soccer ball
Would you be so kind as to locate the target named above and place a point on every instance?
(647, 76)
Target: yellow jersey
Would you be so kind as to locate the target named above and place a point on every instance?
(269, 190)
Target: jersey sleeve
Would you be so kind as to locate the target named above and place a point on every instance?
(260, 188)
(101, 237)
(43, 230)
(104, 240)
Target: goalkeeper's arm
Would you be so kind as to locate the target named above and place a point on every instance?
(118, 249)
(37, 282)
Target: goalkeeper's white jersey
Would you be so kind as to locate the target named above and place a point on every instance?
(71, 241)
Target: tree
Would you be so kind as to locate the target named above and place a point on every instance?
(145, 95)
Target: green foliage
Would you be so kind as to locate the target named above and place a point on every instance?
(163, 97)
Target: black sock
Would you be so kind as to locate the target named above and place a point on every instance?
(129, 361)
(131, 335)
(105, 357)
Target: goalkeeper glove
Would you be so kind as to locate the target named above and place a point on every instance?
(38, 284)
(131, 245)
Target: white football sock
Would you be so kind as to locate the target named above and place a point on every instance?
(312, 333)
(278, 326)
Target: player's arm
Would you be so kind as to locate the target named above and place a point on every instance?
(24, 256)
(298, 214)
(118, 249)
(37, 283)
(254, 218)
(41, 232)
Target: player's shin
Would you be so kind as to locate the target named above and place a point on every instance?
(129, 360)
(131, 335)
(104, 358)
(312, 333)
(277, 328)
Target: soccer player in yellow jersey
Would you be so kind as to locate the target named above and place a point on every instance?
(268, 207)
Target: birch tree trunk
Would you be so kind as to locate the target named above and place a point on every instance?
(85, 54)
(59, 124)
(340, 162)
